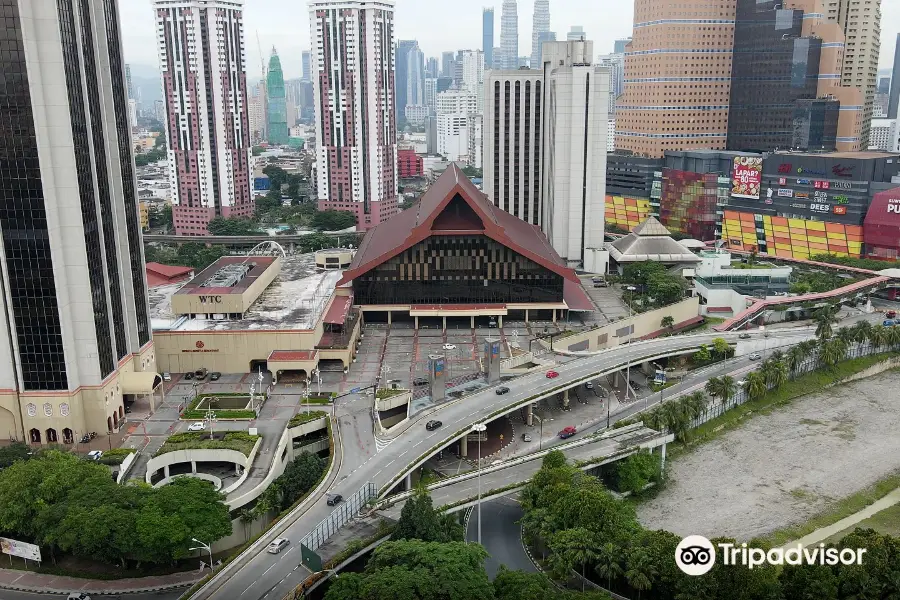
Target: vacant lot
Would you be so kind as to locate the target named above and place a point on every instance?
(782, 468)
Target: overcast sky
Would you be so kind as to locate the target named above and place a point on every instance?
(438, 25)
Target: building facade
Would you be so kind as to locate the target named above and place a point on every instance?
(894, 101)
(884, 135)
(356, 135)
(208, 126)
(74, 326)
(576, 33)
(276, 101)
(410, 69)
(509, 36)
(409, 164)
(540, 28)
(487, 37)
(632, 184)
(305, 65)
(677, 77)
(472, 80)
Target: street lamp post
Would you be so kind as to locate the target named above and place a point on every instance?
(203, 546)
(210, 418)
(318, 375)
(479, 428)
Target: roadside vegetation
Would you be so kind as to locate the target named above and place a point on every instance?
(306, 417)
(199, 440)
(655, 286)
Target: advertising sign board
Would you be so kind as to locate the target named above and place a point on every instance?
(746, 177)
(20, 549)
(840, 210)
(785, 193)
(894, 206)
(801, 195)
(819, 207)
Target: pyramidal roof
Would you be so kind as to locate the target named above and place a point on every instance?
(651, 227)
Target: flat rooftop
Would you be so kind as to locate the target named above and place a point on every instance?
(228, 275)
(295, 300)
(858, 155)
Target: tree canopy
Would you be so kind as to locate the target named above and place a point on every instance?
(232, 226)
(333, 220)
(420, 521)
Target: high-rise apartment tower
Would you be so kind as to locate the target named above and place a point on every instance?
(204, 80)
(74, 324)
(509, 35)
(356, 134)
(487, 37)
(539, 30)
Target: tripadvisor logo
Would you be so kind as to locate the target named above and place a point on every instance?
(696, 555)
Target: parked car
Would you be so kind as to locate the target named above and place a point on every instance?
(200, 374)
(526, 437)
(492, 323)
(567, 432)
(277, 545)
(600, 284)
(215, 376)
(167, 376)
(891, 314)
(334, 499)
(420, 381)
(744, 336)
(449, 346)
(95, 455)
(588, 385)
(889, 323)
(78, 596)
(502, 390)
(755, 356)
(432, 425)
(188, 376)
(552, 374)
(198, 426)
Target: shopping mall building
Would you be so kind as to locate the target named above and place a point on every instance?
(781, 204)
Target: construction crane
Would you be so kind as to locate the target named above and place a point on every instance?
(262, 57)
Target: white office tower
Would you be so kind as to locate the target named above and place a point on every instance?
(356, 132)
(457, 114)
(512, 141)
(576, 33)
(576, 109)
(615, 63)
(473, 74)
(204, 81)
(74, 326)
(430, 94)
(539, 30)
(509, 35)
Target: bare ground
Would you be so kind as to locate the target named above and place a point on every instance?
(782, 468)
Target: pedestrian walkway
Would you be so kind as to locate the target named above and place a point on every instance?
(27, 581)
(823, 533)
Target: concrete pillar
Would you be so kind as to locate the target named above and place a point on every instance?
(554, 315)
(464, 446)
(526, 315)
(389, 317)
(473, 322)
(500, 321)
(193, 466)
(166, 471)
(662, 463)
(409, 480)
(529, 415)
(444, 320)
(237, 470)
(565, 398)
(417, 322)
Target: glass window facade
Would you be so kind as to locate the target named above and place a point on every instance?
(23, 222)
(688, 203)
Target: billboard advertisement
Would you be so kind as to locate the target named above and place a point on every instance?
(746, 178)
(20, 549)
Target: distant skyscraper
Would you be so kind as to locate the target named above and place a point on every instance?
(356, 134)
(209, 166)
(430, 94)
(129, 87)
(546, 36)
(576, 33)
(472, 79)
(276, 103)
(159, 111)
(509, 35)
(615, 63)
(540, 26)
(256, 112)
(431, 67)
(894, 102)
(447, 61)
(487, 37)
(305, 65)
(75, 315)
(619, 45)
(884, 85)
(409, 62)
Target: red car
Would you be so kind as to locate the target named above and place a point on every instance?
(552, 374)
(567, 432)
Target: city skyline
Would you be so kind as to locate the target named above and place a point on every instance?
(284, 23)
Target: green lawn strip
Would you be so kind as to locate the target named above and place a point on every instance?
(301, 418)
(191, 413)
(804, 385)
(232, 440)
(885, 522)
(842, 509)
(388, 393)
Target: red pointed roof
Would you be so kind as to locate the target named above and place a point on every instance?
(410, 227)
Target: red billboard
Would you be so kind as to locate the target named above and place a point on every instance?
(881, 229)
(746, 179)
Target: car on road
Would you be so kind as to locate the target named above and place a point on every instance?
(449, 346)
(420, 381)
(277, 545)
(755, 356)
(888, 323)
(588, 385)
(432, 425)
(198, 426)
(744, 336)
(891, 314)
(552, 374)
(502, 390)
(215, 376)
(95, 455)
(167, 376)
(526, 437)
(78, 596)
(334, 499)
(567, 432)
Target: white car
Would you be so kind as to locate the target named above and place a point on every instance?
(449, 347)
(277, 545)
(755, 356)
(78, 596)
(198, 426)
(95, 454)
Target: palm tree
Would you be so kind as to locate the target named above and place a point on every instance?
(832, 352)
(675, 419)
(713, 386)
(893, 337)
(608, 563)
(639, 570)
(582, 554)
(795, 357)
(861, 332)
(654, 419)
(777, 355)
(246, 518)
(878, 336)
(846, 335)
(729, 389)
(825, 318)
(775, 373)
(695, 404)
(755, 385)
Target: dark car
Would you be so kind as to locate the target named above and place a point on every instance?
(420, 381)
(188, 376)
(214, 376)
(567, 432)
(334, 499)
(432, 425)
(502, 390)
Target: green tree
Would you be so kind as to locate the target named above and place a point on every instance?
(665, 288)
(300, 476)
(774, 372)
(878, 336)
(609, 565)
(519, 585)
(232, 226)
(825, 319)
(755, 385)
(333, 220)
(420, 521)
(796, 356)
(640, 273)
(832, 351)
(667, 322)
(16, 451)
(636, 472)
(808, 582)
(702, 355)
(722, 388)
(721, 347)
(639, 570)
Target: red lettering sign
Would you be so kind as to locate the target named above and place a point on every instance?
(840, 210)
(784, 168)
